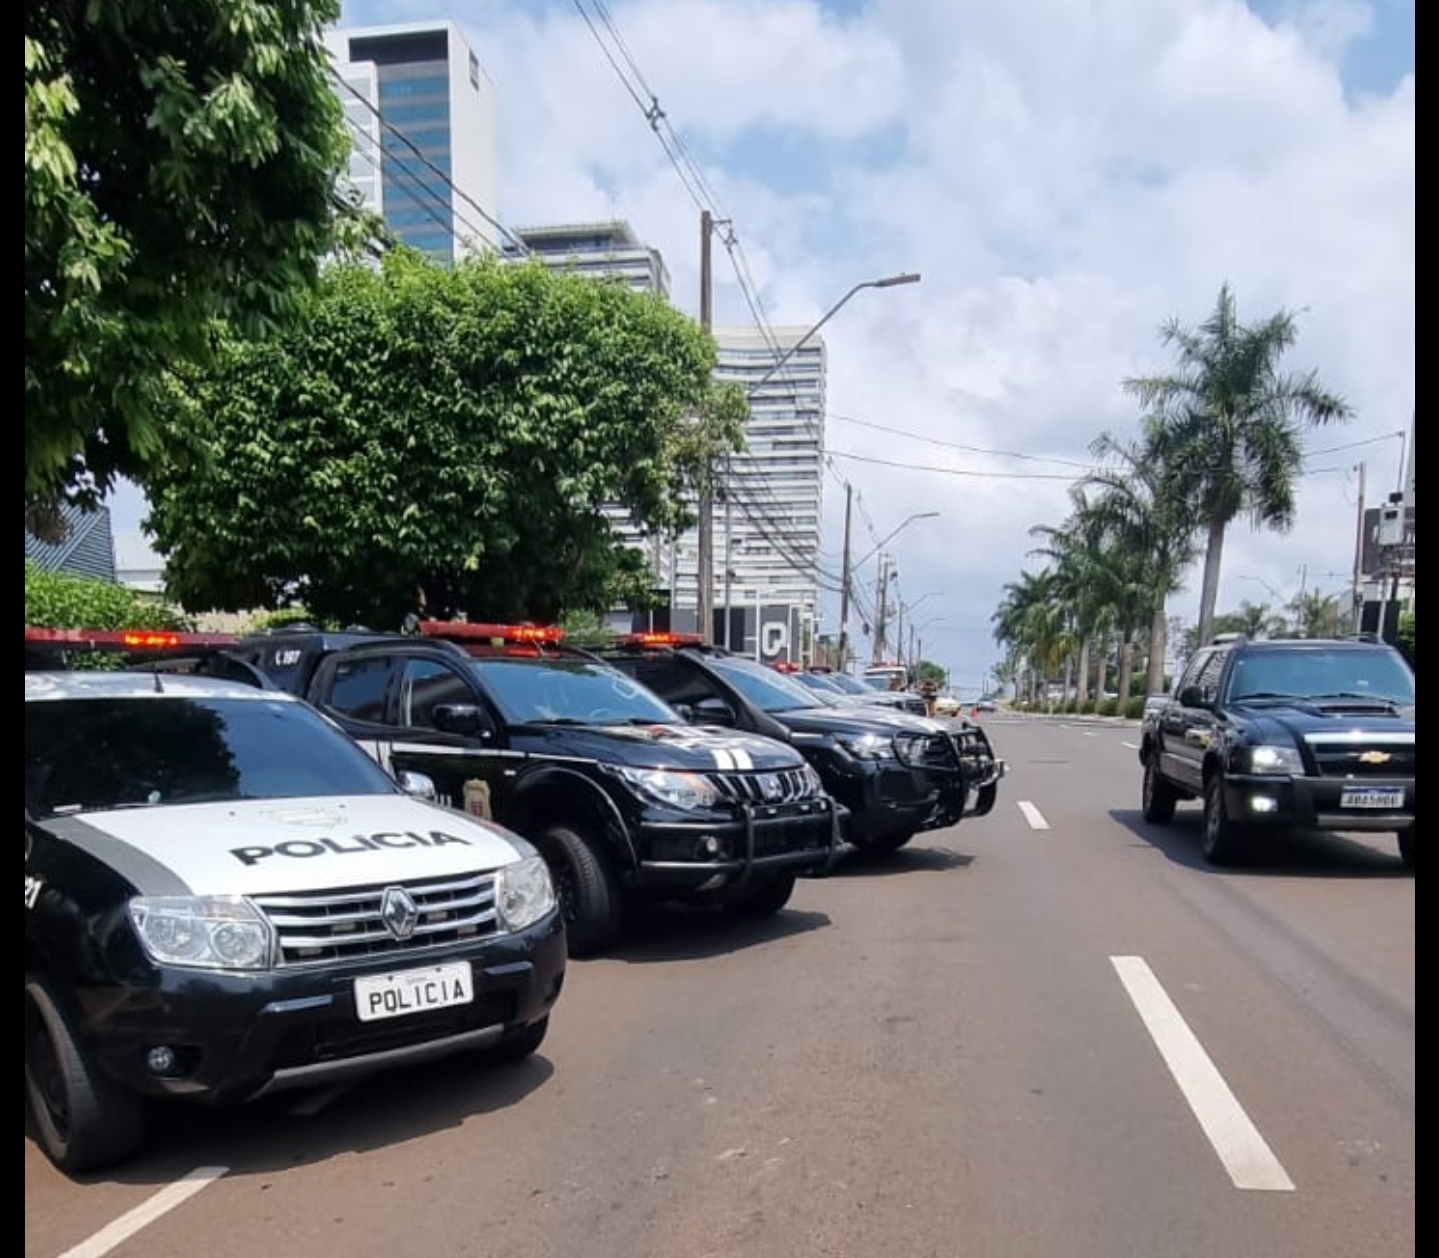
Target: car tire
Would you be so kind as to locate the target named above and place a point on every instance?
(83, 1120)
(762, 898)
(517, 1045)
(984, 801)
(1218, 839)
(589, 895)
(1406, 847)
(1156, 794)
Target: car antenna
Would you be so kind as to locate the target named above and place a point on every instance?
(155, 673)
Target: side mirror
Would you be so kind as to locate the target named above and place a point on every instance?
(708, 712)
(1193, 697)
(458, 718)
(420, 785)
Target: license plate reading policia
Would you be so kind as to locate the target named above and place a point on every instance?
(413, 991)
(1371, 797)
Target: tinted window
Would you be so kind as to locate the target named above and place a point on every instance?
(426, 684)
(83, 754)
(359, 688)
(766, 689)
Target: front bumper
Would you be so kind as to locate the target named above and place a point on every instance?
(1311, 804)
(239, 1036)
(682, 855)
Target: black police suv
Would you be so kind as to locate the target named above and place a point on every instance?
(897, 775)
(226, 897)
(625, 799)
(1285, 734)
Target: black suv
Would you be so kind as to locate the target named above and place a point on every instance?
(623, 797)
(897, 775)
(1281, 734)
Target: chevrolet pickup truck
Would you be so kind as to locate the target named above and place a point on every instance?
(1285, 734)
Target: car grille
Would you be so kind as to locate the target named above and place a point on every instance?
(339, 925)
(784, 786)
(1343, 758)
(930, 751)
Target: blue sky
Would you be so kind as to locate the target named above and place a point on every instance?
(1065, 177)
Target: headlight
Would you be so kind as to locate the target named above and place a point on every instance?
(688, 791)
(1269, 759)
(220, 932)
(813, 779)
(523, 892)
(867, 746)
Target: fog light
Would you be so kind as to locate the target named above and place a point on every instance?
(1263, 803)
(162, 1060)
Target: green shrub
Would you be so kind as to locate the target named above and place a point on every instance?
(62, 600)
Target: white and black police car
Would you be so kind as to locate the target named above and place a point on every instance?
(225, 897)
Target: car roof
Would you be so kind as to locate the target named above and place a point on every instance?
(137, 684)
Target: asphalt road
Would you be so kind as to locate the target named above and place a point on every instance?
(1049, 1033)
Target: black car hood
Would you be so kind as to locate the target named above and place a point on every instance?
(1303, 718)
(695, 748)
(854, 719)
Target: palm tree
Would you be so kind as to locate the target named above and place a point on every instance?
(1149, 534)
(1233, 424)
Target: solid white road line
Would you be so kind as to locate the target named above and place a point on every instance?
(161, 1203)
(1033, 815)
(1236, 1140)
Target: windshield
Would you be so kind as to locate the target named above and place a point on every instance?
(821, 685)
(766, 689)
(1378, 676)
(528, 689)
(849, 684)
(91, 754)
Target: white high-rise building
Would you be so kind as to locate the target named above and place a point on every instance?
(422, 116)
(596, 249)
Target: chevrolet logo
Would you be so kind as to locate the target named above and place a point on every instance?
(1373, 757)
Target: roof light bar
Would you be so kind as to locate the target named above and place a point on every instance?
(126, 639)
(660, 639)
(498, 635)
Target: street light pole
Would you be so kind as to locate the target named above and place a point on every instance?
(706, 520)
(889, 281)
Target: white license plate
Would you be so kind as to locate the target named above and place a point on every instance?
(413, 991)
(1370, 797)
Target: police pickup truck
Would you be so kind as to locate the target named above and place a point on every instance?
(1285, 734)
(225, 897)
(625, 800)
(898, 775)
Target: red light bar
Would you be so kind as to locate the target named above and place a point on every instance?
(126, 639)
(784, 666)
(463, 631)
(660, 639)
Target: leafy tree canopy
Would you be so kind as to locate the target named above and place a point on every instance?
(439, 439)
(180, 163)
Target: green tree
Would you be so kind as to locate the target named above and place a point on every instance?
(1233, 426)
(439, 439)
(180, 164)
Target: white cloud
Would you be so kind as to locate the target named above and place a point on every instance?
(1066, 177)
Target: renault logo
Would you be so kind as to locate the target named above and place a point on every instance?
(1374, 757)
(399, 912)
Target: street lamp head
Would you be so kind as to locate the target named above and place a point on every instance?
(889, 281)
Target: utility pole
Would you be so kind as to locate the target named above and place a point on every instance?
(1359, 559)
(704, 601)
(881, 612)
(844, 585)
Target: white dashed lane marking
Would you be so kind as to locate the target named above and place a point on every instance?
(113, 1234)
(1131, 746)
(1033, 815)
(1236, 1140)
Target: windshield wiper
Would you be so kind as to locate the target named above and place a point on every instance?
(1382, 701)
(1265, 696)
